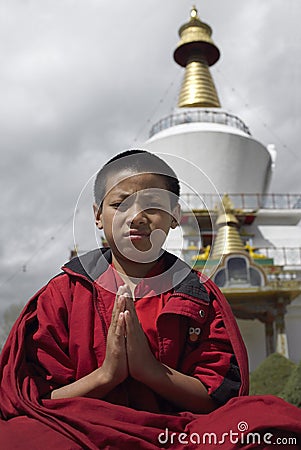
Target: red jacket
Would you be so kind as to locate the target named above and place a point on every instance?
(61, 336)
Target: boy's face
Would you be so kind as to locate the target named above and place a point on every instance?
(136, 215)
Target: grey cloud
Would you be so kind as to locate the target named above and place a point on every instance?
(80, 81)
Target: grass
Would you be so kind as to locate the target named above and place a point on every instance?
(272, 376)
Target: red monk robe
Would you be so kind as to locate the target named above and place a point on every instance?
(61, 337)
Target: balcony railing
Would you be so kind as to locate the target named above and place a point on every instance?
(200, 116)
(282, 256)
(249, 202)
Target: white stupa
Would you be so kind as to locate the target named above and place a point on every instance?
(201, 131)
(214, 153)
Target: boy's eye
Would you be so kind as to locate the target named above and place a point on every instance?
(121, 206)
(149, 206)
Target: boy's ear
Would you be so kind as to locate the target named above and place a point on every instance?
(98, 216)
(176, 216)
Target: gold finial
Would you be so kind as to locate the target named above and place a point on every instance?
(196, 51)
(227, 203)
(194, 12)
(228, 239)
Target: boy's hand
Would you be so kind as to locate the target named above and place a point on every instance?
(141, 361)
(114, 369)
(115, 365)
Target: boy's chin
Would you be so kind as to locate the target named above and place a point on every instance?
(141, 255)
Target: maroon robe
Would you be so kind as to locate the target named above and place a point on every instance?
(61, 336)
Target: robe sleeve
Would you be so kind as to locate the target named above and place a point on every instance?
(47, 345)
(210, 357)
(35, 359)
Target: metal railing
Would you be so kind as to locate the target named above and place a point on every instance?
(201, 116)
(282, 256)
(250, 202)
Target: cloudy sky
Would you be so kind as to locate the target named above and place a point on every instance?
(81, 80)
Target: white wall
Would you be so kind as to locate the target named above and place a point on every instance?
(234, 163)
(254, 337)
(293, 329)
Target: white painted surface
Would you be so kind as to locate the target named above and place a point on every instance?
(254, 337)
(293, 329)
(276, 217)
(232, 160)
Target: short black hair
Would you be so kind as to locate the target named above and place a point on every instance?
(139, 161)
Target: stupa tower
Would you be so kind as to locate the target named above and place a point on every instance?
(216, 141)
(241, 246)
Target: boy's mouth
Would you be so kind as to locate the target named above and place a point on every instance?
(137, 234)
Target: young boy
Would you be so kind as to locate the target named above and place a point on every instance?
(128, 341)
(136, 203)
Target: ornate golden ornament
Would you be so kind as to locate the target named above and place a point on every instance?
(196, 51)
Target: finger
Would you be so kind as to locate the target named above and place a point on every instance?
(120, 292)
(127, 319)
(132, 324)
(120, 328)
(116, 302)
(130, 305)
(125, 292)
(122, 295)
(119, 306)
(129, 329)
(125, 289)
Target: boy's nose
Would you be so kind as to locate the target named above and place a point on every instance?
(136, 215)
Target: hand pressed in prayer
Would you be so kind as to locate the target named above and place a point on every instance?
(115, 364)
(141, 361)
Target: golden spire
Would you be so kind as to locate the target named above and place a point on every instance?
(228, 239)
(196, 51)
